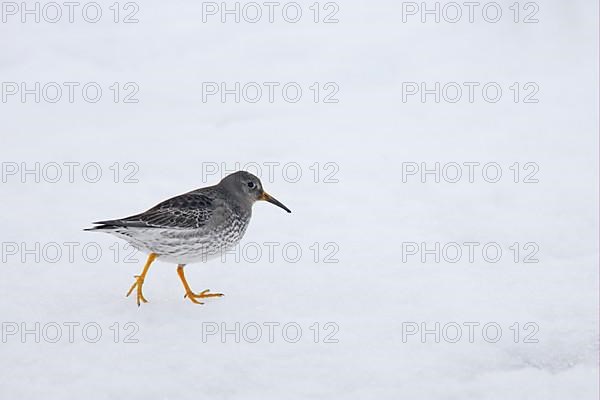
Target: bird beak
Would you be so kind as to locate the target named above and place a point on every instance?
(267, 197)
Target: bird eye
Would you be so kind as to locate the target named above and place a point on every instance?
(251, 185)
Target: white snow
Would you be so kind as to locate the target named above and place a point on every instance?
(370, 297)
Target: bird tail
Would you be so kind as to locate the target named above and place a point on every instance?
(104, 226)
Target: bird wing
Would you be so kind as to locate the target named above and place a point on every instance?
(188, 211)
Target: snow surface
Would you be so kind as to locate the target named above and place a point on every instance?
(370, 294)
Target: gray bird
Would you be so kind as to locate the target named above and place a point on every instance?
(193, 227)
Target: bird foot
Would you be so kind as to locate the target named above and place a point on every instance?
(202, 295)
(139, 282)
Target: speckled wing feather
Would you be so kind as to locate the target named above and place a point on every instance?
(188, 211)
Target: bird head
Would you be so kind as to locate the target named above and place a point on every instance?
(249, 188)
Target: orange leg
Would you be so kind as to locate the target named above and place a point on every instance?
(139, 280)
(188, 291)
